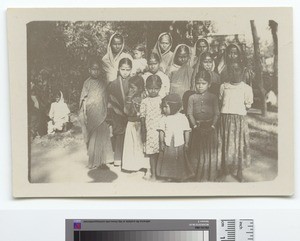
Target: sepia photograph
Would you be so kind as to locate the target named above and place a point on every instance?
(137, 105)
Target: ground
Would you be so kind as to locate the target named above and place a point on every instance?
(62, 157)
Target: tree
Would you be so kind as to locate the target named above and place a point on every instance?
(258, 68)
(274, 26)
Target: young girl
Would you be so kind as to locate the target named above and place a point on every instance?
(114, 54)
(236, 98)
(59, 114)
(174, 134)
(207, 63)
(203, 113)
(180, 71)
(118, 90)
(163, 49)
(150, 117)
(153, 68)
(92, 114)
(139, 63)
(133, 156)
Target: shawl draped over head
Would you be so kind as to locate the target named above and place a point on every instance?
(110, 62)
(59, 110)
(165, 58)
(215, 78)
(180, 76)
(194, 58)
(247, 74)
(93, 106)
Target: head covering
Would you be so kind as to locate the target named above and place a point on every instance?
(167, 55)
(174, 102)
(111, 62)
(173, 67)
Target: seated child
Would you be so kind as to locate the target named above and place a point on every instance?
(59, 114)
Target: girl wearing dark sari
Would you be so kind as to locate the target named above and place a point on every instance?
(92, 114)
(118, 90)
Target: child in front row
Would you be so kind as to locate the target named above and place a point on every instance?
(203, 113)
(236, 98)
(150, 116)
(133, 152)
(174, 133)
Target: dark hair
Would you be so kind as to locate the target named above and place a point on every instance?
(125, 61)
(183, 48)
(94, 60)
(203, 74)
(153, 80)
(138, 81)
(139, 47)
(117, 35)
(204, 55)
(173, 101)
(154, 56)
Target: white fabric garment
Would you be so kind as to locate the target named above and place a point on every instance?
(111, 63)
(174, 126)
(59, 114)
(235, 98)
(165, 87)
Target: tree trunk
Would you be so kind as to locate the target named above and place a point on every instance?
(258, 69)
(274, 26)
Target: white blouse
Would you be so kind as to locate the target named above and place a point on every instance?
(174, 126)
(235, 99)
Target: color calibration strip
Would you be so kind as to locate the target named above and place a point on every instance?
(141, 235)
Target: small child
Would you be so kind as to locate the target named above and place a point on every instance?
(59, 114)
(133, 158)
(150, 117)
(174, 133)
(139, 63)
(236, 98)
(153, 68)
(203, 113)
(118, 90)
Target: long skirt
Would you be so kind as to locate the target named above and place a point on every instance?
(234, 134)
(173, 163)
(133, 158)
(99, 146)
(204, 154)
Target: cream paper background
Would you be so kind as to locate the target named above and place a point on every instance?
(16, 22)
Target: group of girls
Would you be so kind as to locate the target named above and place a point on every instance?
(171, 115)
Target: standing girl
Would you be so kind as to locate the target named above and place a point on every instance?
(236, 98)
(118, 90)
(174, 134)
(92, 114)
(203, 113)
(114, 54)
(133, 156)
(153, 67)
(163, 49)
(150, 117)
(207, 63)
(180, 71)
